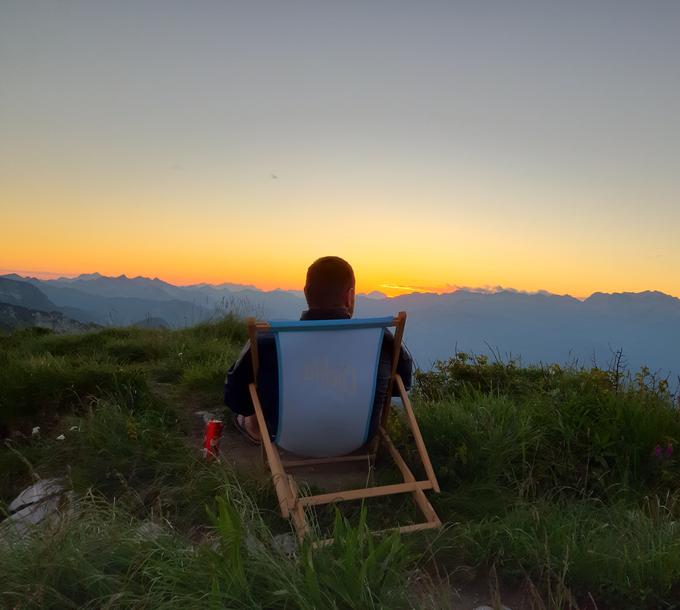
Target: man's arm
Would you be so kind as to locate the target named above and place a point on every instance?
(404, 369)
(236, 394)
(404, 364)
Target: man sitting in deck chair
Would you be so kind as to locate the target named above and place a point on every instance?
(330, 294)
(331, 397)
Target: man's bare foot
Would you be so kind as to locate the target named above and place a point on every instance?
(252, 427)
(248, 428)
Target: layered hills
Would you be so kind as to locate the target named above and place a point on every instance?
(538, 327)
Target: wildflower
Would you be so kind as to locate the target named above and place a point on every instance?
(669, 450)
(658, 452)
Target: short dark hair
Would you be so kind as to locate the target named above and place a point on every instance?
(328, 279)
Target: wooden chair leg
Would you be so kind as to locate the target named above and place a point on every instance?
(278, 473)
(375, 445)
(417, 436)
(419, 496)
(298, 512)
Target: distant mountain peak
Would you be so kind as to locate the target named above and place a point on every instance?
(374, 294)
(632, 296)
(90, 276)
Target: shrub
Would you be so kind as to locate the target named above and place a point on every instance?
(627, 555)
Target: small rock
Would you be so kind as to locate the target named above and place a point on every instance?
(61, 437)
(19, 524)
(35, 431)
(285, 543)
(42, 504)
(41, 490)
(149, 530)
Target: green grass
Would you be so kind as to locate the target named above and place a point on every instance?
(618, 552)
(100, 557)
(553, 477)
(583, 445)
(42, 374)
(550, 480)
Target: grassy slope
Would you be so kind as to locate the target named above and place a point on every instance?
(548, 476)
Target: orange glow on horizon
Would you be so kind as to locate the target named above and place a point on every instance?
(434, 250)
(389, 290)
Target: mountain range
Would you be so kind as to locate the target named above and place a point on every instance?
(535, 327)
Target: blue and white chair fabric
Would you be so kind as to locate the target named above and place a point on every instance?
(327, 371)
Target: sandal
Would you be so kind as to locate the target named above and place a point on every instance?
(241, 427)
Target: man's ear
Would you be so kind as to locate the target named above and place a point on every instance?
(350, 296)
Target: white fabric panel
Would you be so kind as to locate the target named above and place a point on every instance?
(326, 387)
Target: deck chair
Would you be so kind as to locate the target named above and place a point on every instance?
(327, 371)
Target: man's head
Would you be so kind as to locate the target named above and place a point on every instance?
(330, 283)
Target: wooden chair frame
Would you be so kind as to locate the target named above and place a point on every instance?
(292, 504)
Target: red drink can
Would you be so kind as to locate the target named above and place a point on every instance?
(213, 434)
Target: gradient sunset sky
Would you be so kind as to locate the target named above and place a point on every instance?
(431, 144)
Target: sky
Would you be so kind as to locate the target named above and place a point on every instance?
(531, 145)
